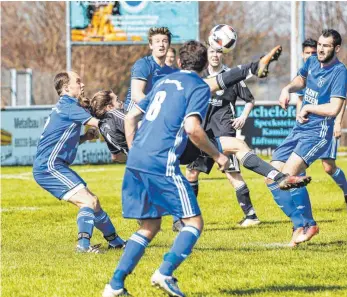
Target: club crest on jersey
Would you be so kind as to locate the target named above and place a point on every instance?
(321, 81)
(220, 92)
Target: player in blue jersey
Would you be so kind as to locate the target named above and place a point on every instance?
(148, 70)
(309, 48)
(57, 150)
(153, 184)
(325, 79)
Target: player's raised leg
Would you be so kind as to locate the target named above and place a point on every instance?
(252, 162)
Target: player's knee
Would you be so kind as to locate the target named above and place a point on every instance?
(329, 168)
(92, 202)
(150, 228)
(196, 222)
(192, 174)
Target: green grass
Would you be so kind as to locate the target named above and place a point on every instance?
(38, 241)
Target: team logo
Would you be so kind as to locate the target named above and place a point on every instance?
(220, 92)
(133, 6)
(321, 81)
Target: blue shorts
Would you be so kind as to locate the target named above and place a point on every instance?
(149, 196)
(308, 141)
(331, 152)
(60, 180)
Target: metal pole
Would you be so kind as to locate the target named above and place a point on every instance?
(301, 29)
(28, 82)
(293, 46)
(68, 37)
(13, 87)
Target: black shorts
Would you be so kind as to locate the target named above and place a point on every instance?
(198, 160)
(205, 164)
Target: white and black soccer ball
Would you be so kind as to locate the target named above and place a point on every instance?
(222, 38)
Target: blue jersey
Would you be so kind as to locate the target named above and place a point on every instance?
(323, 83)
(148, 70)
(61, 134)
(161, 139)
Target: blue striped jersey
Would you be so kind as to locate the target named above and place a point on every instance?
(161, 138)
(323, 83)
(61, 134)
(146, 69)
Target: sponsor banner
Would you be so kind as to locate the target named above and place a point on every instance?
(20, 133)
(128, 22)
(266, 127)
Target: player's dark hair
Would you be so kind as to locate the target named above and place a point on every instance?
(99, 103)
(61, 79)
(309, 43)
(337, 40)
(161, 30)
(193, 56)
(171, 49)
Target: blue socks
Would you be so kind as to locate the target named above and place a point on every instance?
(85, 223)
(285, 202)
(104, 224)
(134, 250)
(180, 250)
(340, 180)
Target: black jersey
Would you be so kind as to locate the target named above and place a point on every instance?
(112, 129)
(221, 109)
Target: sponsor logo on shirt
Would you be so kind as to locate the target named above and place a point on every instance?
(216, 101)
(311, 96)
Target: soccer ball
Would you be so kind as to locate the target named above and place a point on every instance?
(222, 38)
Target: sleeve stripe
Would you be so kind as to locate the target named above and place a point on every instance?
(118, 114)
(193, 113)
(139, 78)
(86, 120)
(139, 108)
(337, 96)
(221, 82)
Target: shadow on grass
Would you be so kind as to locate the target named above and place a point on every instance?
(340, 243)
(279, 289)
(214, 178)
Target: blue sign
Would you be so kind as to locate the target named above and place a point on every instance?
(128, 22)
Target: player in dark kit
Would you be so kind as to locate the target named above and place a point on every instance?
(221, 121)
(106, 106)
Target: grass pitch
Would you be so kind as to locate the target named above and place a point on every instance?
(39, 237)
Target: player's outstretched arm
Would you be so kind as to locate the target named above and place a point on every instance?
(298, 106)
(199, 138)
(138, 90)
(239, 122)
(297, 84)
(131, 121)
(331, 109)
(92, 133)
(338, 121)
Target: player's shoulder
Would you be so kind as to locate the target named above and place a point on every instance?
(115, 115)
(340, 67)
(144, 61)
